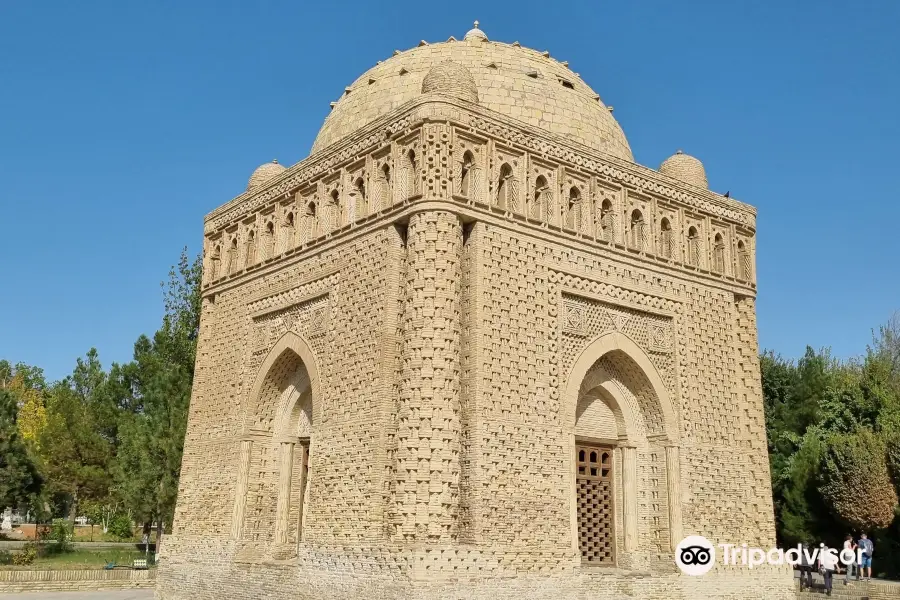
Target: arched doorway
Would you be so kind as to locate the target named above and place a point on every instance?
(625, 490)
(274, 464)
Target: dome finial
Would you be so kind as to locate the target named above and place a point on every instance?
(476, 34)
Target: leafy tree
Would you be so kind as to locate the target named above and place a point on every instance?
(63, 533)
(886, 345)
(31, 377)
(19, 477)
(818, 413)
(121, 527)
(801, 513)
(134, 471)
(152, 437)
(27, 385)
(855, 480)
(102, 512)
(32, 419)
(76, 455)
(814, 376)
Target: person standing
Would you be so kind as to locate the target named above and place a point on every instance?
(806, 568)
(827, 565)
(865, 564)
(849, 552)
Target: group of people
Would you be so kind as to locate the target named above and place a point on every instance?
(829, 563)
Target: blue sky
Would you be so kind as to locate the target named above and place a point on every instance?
(123, 123)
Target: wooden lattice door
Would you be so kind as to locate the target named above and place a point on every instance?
(594, 490)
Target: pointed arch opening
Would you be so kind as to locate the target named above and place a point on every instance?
(607, 232)
(504, 185)
(383, 199)
(617, 405)
(233, 255)
(540, 200)
(719, 253)
(250, 249)
(412, 169)
(638, 233)
(334, 210)
(665, 238)
(279, 430)
(269, 240)
(465, 175)
(573, 209)
(288, 233)
(693, 247)
(310, 222)
(214, 262)
(744, 261)
(358, 207)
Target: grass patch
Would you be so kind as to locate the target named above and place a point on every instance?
(81, 559)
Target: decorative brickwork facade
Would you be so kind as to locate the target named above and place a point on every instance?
(470, 349)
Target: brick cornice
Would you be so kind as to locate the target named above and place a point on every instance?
(485, 122)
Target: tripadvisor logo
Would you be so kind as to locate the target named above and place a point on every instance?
(696, 555)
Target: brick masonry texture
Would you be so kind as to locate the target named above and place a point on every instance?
(20, 581)
(404, 337)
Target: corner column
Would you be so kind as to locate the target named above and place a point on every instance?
(426, 496)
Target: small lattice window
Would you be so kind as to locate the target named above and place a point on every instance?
(594, 490)
(744, 261)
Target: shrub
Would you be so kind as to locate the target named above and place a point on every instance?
(62, 532)
(855, 480)
(26, 556)
(6, 557)
(121, 527)
(893, 458)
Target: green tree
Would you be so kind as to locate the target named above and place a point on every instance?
(76, 451)
(148, 464)
(855, 480)
(19, 477)
(31, 377)
(27, 385)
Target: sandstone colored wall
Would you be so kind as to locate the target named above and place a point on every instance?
(16, 581)
(507, 502)
(447, 335)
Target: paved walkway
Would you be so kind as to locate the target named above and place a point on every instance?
(112, 595)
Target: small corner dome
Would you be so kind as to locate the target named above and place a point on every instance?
(686, 168)
(476, 34)
(264, 173)
(452, 79)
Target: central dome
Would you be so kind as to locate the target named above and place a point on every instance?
(524, 84)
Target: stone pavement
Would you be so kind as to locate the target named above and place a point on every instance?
(88, 595)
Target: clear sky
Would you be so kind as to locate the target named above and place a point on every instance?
(123, 123)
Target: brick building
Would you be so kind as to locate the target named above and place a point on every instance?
(470, 349)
